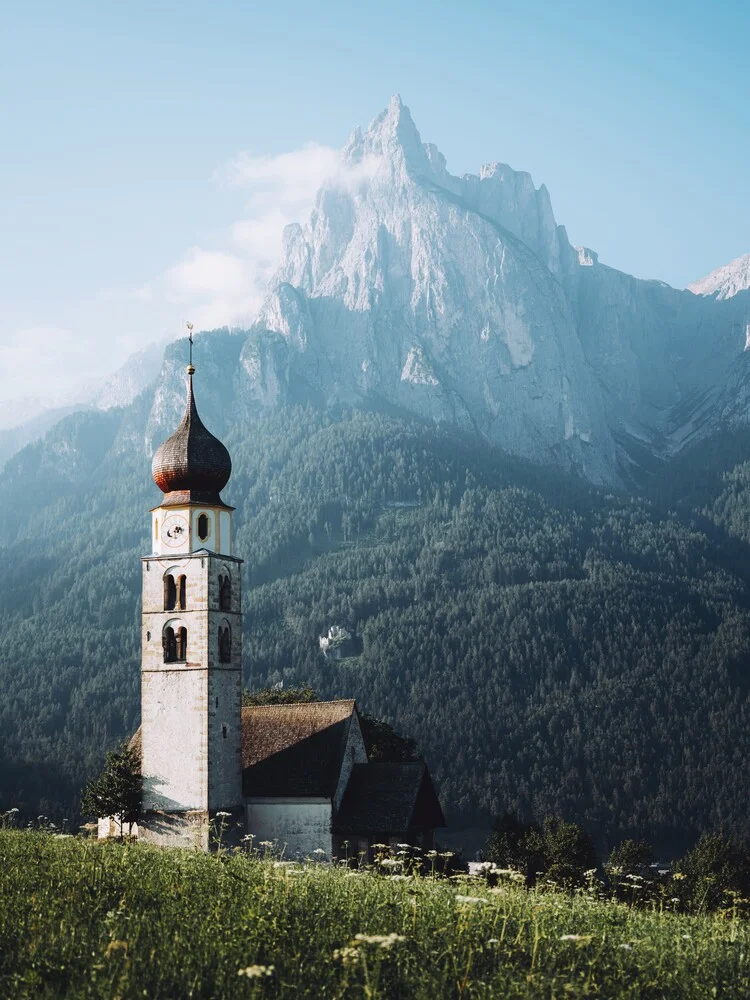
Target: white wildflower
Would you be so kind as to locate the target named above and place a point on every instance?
(347, 955)
(222, 814)
(470, 899)
(383, 940)
(318, 850)
(256, 971)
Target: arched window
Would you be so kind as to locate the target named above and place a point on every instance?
(170, 593)
(203, 527)
(170, 645)
(225, 593)
(225, 644)
(182, 644)
(174, 638)
(182, 590)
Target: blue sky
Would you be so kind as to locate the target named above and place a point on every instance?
(121, 215)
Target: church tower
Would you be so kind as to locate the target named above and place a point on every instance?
(191, 667)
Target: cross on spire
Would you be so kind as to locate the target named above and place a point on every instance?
(190, 340)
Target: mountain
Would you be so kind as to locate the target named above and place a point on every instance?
(26, 420)
(725, 281)
(462, 301)
(518, 477)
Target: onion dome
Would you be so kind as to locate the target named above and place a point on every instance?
(192, 466)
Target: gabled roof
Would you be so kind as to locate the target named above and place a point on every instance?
(294, 750)
(388, 799)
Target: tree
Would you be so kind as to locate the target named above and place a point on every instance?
(384, 744)
(117, 790)
(629, 858)
(568, 852)
(515, 844)
(713, 871)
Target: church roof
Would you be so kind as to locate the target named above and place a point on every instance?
(388, 799)
(192, 466)
(294, 750)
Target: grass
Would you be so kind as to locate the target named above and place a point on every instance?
(84, 919)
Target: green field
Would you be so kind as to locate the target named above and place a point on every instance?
(83, 919)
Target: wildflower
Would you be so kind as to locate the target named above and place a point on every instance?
(222, 814)
(318, 850)
(390, 863)
(282, 864)
(579, 938)
(256, 971)
(14, 809)
(625, 946)
(383, 847)
(431, 854)
(406, 846)
(470, 899)
(493, 940)
(679, 875)
(266, 843)
(398, 878)
(383, 940)
(249, 836)
(347, 955)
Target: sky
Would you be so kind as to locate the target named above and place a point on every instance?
(152, 153)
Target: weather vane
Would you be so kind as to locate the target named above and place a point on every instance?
(190, 339)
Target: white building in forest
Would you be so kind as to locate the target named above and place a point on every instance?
(294, 774)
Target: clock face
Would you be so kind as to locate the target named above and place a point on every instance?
(174, 530)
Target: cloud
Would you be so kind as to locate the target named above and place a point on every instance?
(207, 272)
(48, 362)
(222, 284)
(225, 285)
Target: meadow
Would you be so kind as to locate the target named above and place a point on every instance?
(80, 918)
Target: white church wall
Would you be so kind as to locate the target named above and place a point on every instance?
(110, 826)
(298, 827)
(173, 730)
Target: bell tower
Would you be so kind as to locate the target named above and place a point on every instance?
(191, 665)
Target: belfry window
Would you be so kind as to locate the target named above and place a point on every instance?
(182, 587)
(225, 644)
(203, 527)
(225, 593)
(170, 593)
(175, 645)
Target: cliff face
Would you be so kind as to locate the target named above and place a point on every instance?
(460, 299)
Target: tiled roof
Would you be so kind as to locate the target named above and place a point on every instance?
(294, 750)
(388, 799)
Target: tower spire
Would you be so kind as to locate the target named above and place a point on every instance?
(190, 368)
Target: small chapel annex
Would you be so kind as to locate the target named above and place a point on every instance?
(294, 774)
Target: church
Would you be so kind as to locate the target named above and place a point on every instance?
(297, 775)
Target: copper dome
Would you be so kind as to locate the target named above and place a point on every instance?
(192, 466)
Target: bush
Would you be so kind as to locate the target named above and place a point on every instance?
(715, 874)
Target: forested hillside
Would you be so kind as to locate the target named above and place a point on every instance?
(552, 648)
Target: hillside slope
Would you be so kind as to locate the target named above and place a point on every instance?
(552, 648)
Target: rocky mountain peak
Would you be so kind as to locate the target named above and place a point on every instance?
(392, 136)
(725, 281)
